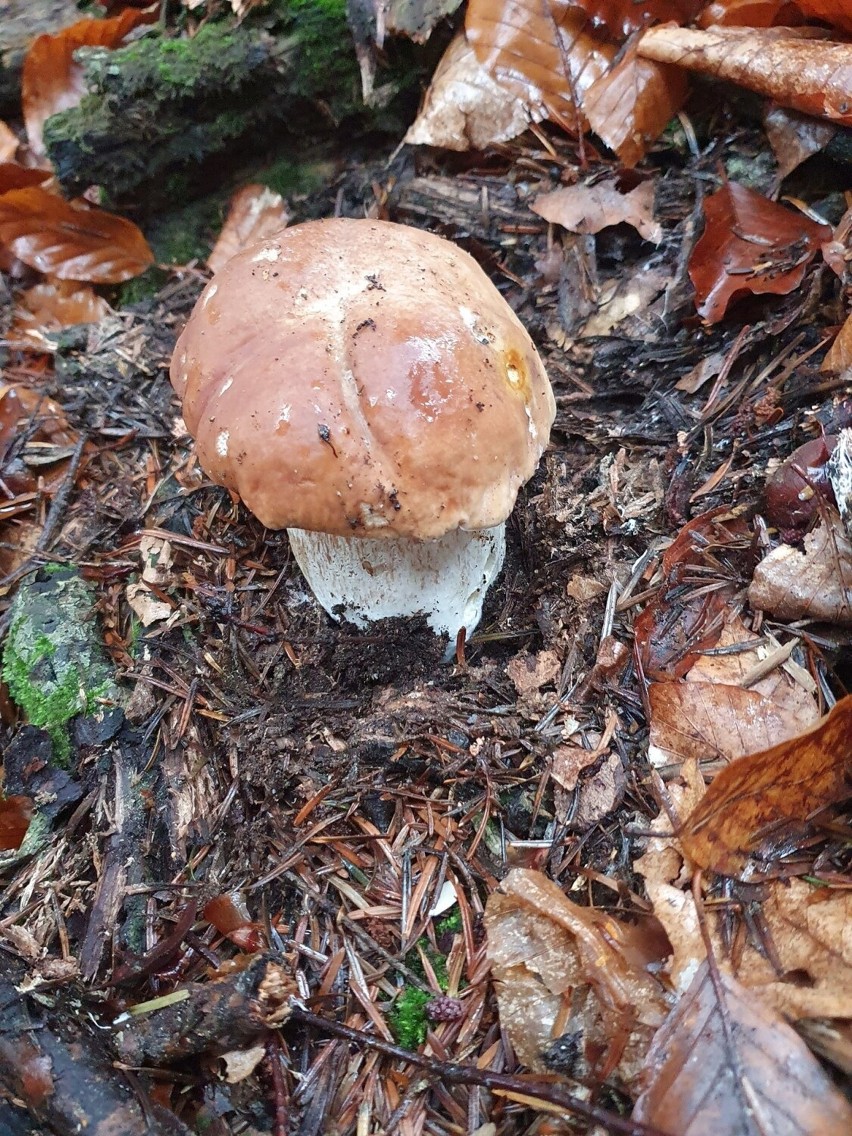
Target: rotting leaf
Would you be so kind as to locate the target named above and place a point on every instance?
(255, 213)
(465, 108)
(763, 803)
(814, 583)
(839, 357)
(51, 306)
(49, 440)
(749, 245)
(71, 240)
(795, 137)
(590, 208)
(52, 79)
(15, 816)
(712, 1068)
(554, 961)
(808, 74)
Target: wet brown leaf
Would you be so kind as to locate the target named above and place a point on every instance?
(749, 245)
(558, 965)
(762, 802)
(49, 438)
(751, 14)
(51, 306)
(590, 208)
(52, 79)
(810, 75)
(814, 583)
(15, 816)
(715, 1068)
(14, 176)
(71, 240)
(834, 12)
(255, 212)
(620, 18)
(795, 137)
(839, 357)
(630, 106)
(465, 108)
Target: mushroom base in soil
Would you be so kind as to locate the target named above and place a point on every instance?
(365, 580)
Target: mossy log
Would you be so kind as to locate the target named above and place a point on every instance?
(164, 118)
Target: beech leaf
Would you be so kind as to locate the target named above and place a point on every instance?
(808, 74)
(15, 176)
(620, 18)
(749, 245)
(15, 816)
(760, 803)
(750, 14)
(52, 79)
(835, 12)
(53, 305)
(71, 240)
(590, 208)
(255, 212)
(812, 583)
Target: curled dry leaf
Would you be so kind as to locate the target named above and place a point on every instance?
(763, 802)
(555, 963)
(810, 75)
(590, 208)
(814, 583)
(714, 1067)
(52, 79)
(51, 306)
(466, 108)
(749, 245)
(71, 240)
(255, 212)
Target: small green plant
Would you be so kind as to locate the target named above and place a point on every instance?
(408, 1018)
(451, 924)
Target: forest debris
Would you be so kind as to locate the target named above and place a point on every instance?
(834, 12)
(237, 1005)
(800, 488)
(561, 968)
(764, 803)
(795, 137)
(465, 108)
(51, 306)
(814, 583)
(254, 213)
(722, 1058)
(529, 673)
(839, 355)
(33, 426)
(52, 79)
(839, 467)
(591, 207)
(71, 240)
(749, 245)
(16, 812)
(811, 74)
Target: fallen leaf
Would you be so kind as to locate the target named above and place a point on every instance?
(798, 490)
(795, 137)
(567, 762)
(35, 440)
(557, 965)
(241, 1063)
(15, 176)
(51, 306)
(465, 108)
(839, 468)
(71, 240)
(839, 357)
(751, 14)
(529, 673)
(809, 74)
(763, 802)
(8, 143)
(15, 816)
(255, 212)
(632, 103)
(598, 794)
(590, 208)
(749, 245)
(735, 1067)
(415, 19)
(145, 605)
(620, 18)
(835, 12)
(52, 79)
(815, 583)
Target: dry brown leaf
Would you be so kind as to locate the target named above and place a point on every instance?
(35, 440)
(465, 108)
(795, 137)
(255, 212)
(763, 802)
(715, 723)
(630, 106)
(749, 245)
(529, 673)
(8, 143)
(835, 12)
(590, 208)
(815, 583)
(810, 75)
(567, 762)
(542, 53)
(839, 357)
(750, 14)
(71, 240)
(15, 816)
(51, 306)
(52, 79)
(735, 1069)
(558, 966)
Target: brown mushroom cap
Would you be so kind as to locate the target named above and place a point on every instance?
(363, 378)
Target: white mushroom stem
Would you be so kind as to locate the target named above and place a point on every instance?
(367, 580)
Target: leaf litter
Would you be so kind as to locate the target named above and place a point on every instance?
(337, 815)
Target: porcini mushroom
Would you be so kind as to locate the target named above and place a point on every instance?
(365, 386)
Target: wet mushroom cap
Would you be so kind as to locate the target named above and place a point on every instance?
(363, 378)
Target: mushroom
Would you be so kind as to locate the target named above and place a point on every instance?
(364, 385)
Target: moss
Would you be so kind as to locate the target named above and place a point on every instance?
(408, 1018)
(53, 662)
(451, 924)
(294, 178)
(140, 287)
